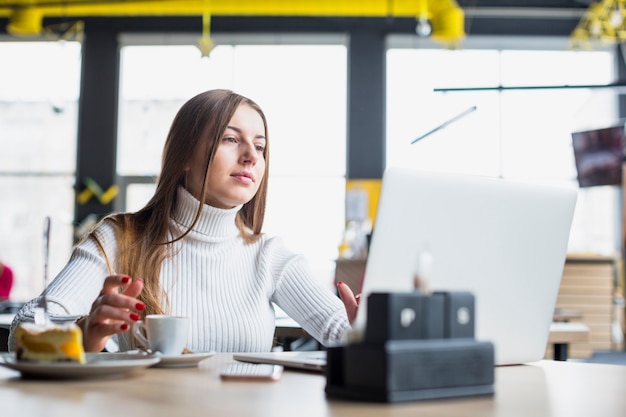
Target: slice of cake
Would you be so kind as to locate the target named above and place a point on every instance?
(53, 343)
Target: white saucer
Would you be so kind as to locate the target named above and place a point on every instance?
(98, 364)
(185, 360)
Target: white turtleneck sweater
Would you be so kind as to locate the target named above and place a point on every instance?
(223, 284)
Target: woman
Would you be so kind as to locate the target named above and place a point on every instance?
(208, 261)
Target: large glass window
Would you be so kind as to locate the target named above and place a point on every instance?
(301, 86)
(39, 84)
(521, 134)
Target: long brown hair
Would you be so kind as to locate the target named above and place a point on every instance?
(142, 237)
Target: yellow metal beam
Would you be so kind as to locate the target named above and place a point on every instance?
(447, 19)
(339, 8)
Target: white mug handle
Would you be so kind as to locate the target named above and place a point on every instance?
(139, 333)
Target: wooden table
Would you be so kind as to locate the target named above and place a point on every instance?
(546, 388)
(564, 333)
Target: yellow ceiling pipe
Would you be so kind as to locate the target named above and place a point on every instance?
(449, 25)
(443, 20)
(339, 8)
(25, 21)
(446, 16)
(205, 43)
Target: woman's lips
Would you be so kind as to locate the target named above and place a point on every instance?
(244, 177)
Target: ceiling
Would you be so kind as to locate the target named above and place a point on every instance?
(338, 8)
(481, 17)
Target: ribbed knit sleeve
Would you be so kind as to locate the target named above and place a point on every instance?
(320, 312)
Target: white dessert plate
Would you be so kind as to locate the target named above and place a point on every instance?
(185, 360)
(97, 364)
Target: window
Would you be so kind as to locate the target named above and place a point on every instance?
(520, 134)
(301, 87)
(39, 84)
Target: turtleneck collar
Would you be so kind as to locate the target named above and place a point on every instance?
(213, 222)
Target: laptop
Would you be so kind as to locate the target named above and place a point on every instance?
(504, 241)
(314, 361)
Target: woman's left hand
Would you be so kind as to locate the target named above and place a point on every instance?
(350, 301)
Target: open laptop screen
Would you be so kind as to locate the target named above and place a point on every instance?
(504, 241)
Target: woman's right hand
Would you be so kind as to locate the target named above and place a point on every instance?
(112, 312)
(350, 301)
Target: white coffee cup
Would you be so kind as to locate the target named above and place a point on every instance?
(162, 333)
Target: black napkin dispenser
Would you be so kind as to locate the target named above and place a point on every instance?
(416, 347)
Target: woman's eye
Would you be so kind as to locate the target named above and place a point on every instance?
(230, 139)
(260, 148)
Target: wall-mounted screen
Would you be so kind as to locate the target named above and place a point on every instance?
(598, 154)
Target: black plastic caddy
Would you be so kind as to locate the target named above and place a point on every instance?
(416, 347)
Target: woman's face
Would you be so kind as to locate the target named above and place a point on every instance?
(239, 163)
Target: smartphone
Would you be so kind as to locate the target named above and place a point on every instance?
(252, 372)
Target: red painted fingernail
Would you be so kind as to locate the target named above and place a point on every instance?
(124, 326)
(134, 316)
(140, 306)
(125, 280)
(339, 283)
